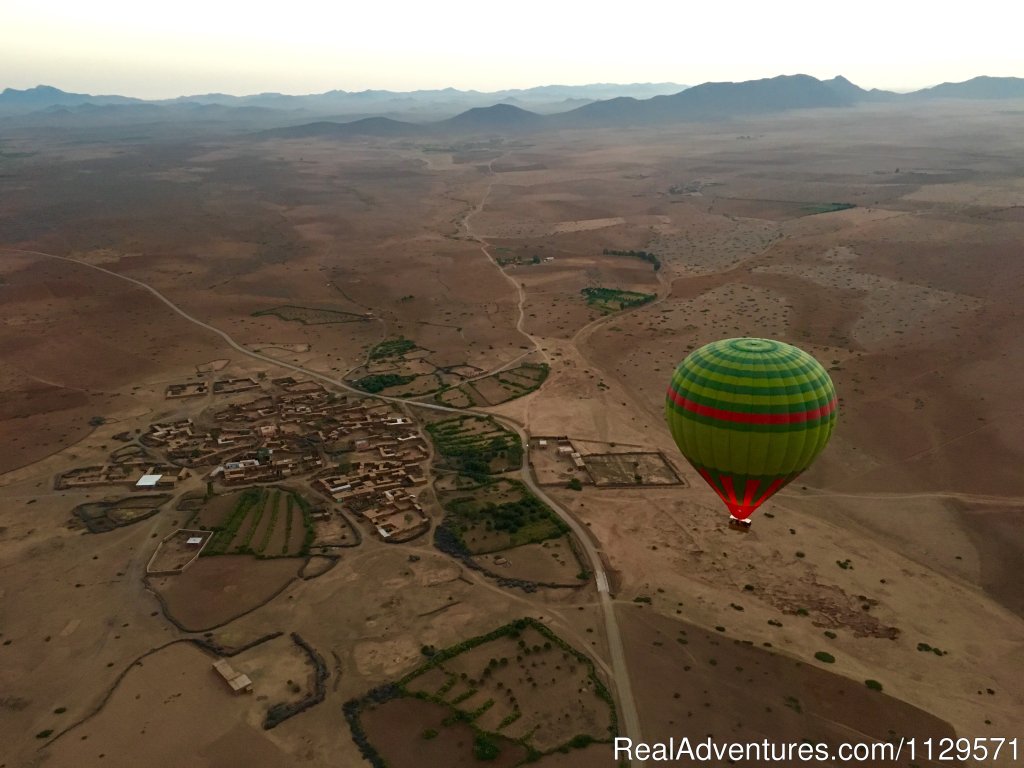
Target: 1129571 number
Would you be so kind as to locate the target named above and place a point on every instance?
(950, 749)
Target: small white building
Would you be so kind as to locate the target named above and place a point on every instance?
(148, 481)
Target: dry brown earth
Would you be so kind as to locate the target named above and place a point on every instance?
(911, 299)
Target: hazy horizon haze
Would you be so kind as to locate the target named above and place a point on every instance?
(112, 46)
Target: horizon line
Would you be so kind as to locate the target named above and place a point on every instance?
(899, 90)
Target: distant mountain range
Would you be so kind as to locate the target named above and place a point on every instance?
(443, 102)
(450, 111)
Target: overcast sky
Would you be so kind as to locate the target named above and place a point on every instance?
(156, 50)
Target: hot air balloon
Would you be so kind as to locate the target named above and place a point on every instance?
(750, 415)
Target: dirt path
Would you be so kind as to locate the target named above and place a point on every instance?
(485, 248)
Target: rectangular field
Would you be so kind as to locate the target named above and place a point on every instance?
(631, 469)
(267, 522)
(498, 516)
(476, 444)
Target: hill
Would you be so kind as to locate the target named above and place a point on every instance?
(721, 100)
(498, 118)
(976, 88)
(42, 96)
(382, 127)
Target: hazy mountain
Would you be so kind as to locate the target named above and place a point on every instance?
(399, 114)
(718, 100)
(43, 96)
(371, 126)
(423, 105)
(498, 118)
(975, 88)
(854, 93)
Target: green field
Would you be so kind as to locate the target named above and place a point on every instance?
(613, 299)
(265, 522)
(392, 348)
(650, 258)
(476, 444)
(493, 517)
(377, 382)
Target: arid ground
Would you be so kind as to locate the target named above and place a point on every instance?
(885, 240)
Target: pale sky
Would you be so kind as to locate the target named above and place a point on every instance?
(161, 50)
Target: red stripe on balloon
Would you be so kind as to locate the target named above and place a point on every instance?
(710, 481)
(729, 490)
(750, 418)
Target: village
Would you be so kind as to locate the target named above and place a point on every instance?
(360, 454)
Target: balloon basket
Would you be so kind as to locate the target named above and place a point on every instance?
(739, 525)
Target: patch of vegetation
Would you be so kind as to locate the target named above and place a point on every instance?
(613, 299)
(650, 258)
(251, 507)
(874, 685)
(525, 520)
(925, 648)
(273, 521)
(575, 484)
(309, 315)
(378, 382)
(225, 534)
(825, 657)
(392, 348)
(816, 208)
(472, 444)
(484, 748)
(515, 382)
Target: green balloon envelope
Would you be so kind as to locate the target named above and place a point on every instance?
(750, 415)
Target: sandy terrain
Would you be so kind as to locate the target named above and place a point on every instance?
(170, 695)
(906, 532)
(700, 682)
(215, 590)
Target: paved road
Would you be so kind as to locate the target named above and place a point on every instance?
(629, 721)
